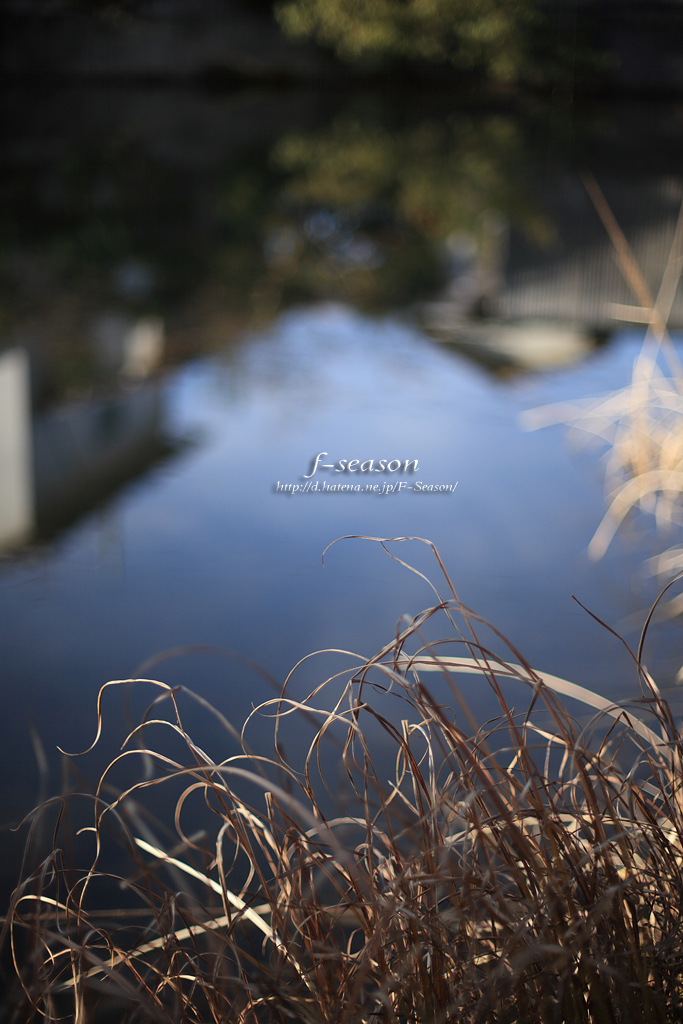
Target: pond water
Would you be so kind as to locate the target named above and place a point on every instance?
(160, 512)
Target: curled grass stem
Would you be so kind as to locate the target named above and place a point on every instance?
(528, 868)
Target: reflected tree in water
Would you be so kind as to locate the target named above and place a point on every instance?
(484, 35)
(363, 210)
(382, 211)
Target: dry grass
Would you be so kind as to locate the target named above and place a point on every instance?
(529, 869)
(639, 427)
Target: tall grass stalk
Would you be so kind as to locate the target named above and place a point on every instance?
(527, 869)
(639, 427)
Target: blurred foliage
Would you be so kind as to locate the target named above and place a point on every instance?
(371, 207)
(359, 211)
(437, 175)
(488, 35)
(528, 42)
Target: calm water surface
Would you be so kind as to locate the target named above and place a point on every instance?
(204, 551)
(195, 546)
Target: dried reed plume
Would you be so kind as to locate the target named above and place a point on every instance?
(640, 426)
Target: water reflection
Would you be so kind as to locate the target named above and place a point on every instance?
(210, 554)
(128, 348)
(370, 205)
(58, 465)
(512, 346)
(267, 287)
(276, 200)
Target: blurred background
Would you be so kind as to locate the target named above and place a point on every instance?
(234, 235)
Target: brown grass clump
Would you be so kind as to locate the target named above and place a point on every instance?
(639, 427)
(528, 869)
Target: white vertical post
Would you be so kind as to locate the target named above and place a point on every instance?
(16, 463)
